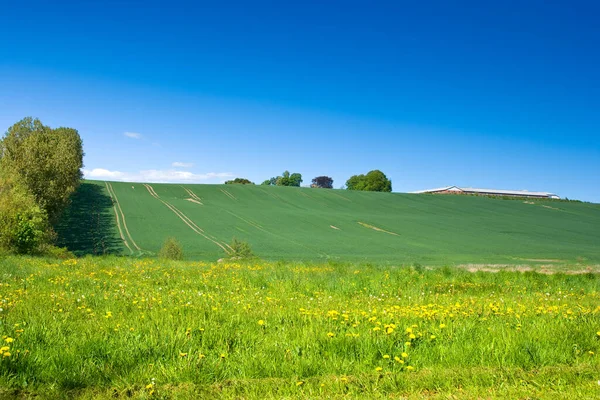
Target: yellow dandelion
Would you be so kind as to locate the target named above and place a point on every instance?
(183, 354)
(223, 355)
(4, 348)
(261, 322)
(344, 379)
(442, 326)
(432, 337)
(299, 383)
(6, 354)
(407, 344)
(377, 329)
(410, 368)
(9, 340)
(378, 369)
(404, 355)
(591, 353)
(389, 330)
(330, 334)
(149, 386)
(386, 356)
(412, 336)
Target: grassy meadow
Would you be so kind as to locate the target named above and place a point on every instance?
(288, 223)
(110, 327)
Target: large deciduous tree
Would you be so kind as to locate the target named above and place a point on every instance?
(47, 162)
(373, 181)
(324, 182)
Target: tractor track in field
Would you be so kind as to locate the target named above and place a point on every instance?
(118, 219)
(232, 197)
(187, 220)
(117, 205)
(194, 196)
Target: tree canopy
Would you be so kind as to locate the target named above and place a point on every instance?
(373, 181)
(240, 181)
(46, 161)
(286, 179)
(324, 182)
(40, 168)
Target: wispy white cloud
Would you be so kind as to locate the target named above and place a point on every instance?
(156, 176)
(178, 164)
(133, 135)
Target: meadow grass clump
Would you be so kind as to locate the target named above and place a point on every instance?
(171, 250)
(108, 326)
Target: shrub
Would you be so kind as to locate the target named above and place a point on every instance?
(171, 250)
(23, 224)
(241, 249)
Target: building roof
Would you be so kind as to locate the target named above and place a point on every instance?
(489, 191)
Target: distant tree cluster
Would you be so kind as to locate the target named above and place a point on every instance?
(239, 181)
(373, 181)
(286, 179)
(40, 168)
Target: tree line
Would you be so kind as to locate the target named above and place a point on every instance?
(40, 168)
(373, 181)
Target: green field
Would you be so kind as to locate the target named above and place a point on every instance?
(113, 327)
(284, 223)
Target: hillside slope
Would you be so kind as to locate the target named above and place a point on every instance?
(313, 224)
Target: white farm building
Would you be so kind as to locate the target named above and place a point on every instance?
(490, 192)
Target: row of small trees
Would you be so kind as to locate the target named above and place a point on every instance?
(373, 181)
(40, 168)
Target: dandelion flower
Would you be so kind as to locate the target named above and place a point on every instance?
(386, 356)
(183, 354)
(4, 348)
(432, 337)
(404, 355)
(9, 340)
(410, 368)
(6, 354)
(149, 386)
(442, 326)
(223, 355)
(261, 322)
(330, 334)
(299, 383)
(378, 369)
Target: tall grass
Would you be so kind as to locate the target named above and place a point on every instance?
(99, 327)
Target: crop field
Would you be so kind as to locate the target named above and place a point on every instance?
(114, 327)
(283, 223)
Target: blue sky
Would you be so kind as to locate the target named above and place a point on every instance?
(482, 94)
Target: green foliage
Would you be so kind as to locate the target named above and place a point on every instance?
(241, 181)
(241, 249)
(286, 179)
(323, 182)
(373, 181)
(23, 225)
(46, 161)
(171, 250)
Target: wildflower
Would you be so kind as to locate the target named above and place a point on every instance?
(261, 322)
(344, 379)
(432, 337)
(407, 344)
(201, 356)
(412, 336)
(591, 353)
(183, 354)
(223, 355)
(442, 326)
(149, 386)
(6, 354)
(377, 329)
(4, 348)
(299, 383)
(386, 356)
(410, 368)
(389, 330)
(9, 340)
(404, 355)
(378, 369)
(330, 334)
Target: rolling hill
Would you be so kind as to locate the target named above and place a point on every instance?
(318, 224)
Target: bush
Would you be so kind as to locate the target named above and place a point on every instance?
(171, 250)
(241, 249)
(24, 225)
